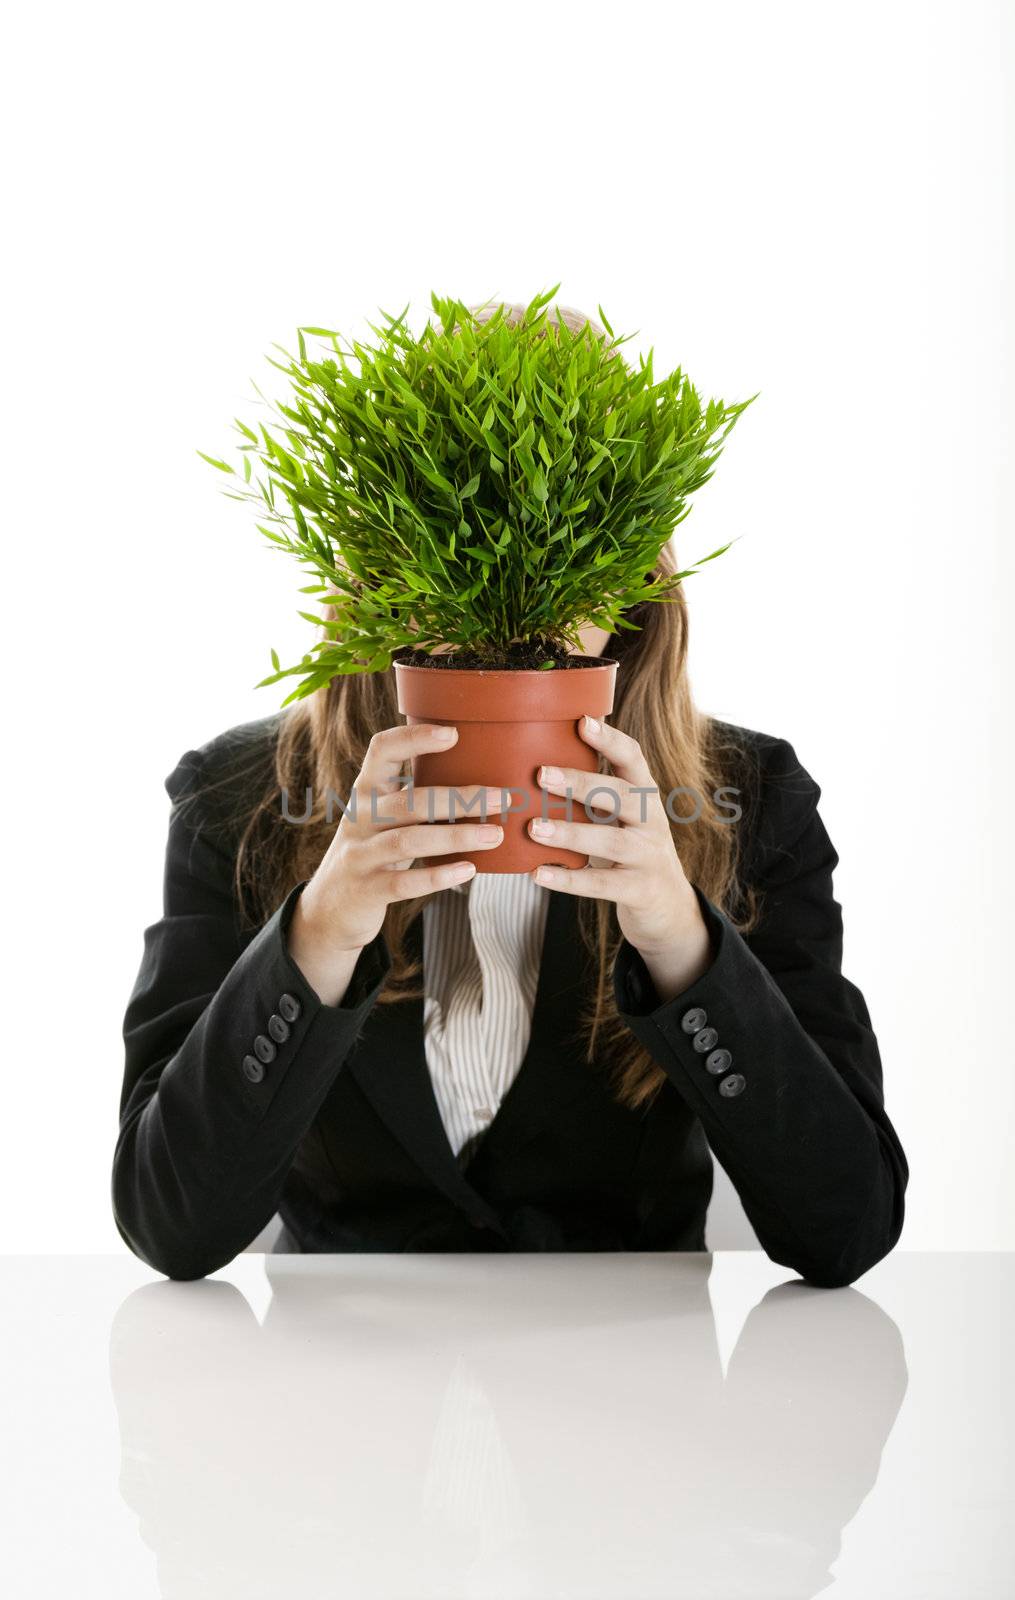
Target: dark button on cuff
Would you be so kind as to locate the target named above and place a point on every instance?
(694, 1019)
(264, 1050)
(718, 1062)
(253, 1069)
(289, 1007)
(278, 1028)
(733, 1085)
(705, 1040)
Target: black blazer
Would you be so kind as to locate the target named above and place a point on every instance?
(342, 1135)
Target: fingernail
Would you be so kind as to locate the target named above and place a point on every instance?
(460, 870)
(493, 797)
(542, 826)
(490, 831)
(550, 775)
(548, 875)
(591, 724)
(445, 734)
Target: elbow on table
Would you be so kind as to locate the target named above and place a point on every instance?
(830, 1264)
(181, 1263)
(842, 1271)
(173, 1255)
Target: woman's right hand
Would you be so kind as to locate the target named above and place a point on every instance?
(369, 862)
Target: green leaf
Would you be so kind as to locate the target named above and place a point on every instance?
(575, 471)
(720, 552)
(222, 465)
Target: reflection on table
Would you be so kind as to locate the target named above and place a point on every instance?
(435, 1426)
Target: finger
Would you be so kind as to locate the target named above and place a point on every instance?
(594, 883)
(425, 880)
(391, 748)
(624, 754)
(599, 791)
(432, 839)
(591, 839)
(411, 804)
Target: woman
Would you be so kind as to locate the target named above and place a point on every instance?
(330, 1024)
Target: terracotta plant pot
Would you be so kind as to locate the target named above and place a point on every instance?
(510, 723)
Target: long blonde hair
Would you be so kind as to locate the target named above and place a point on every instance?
(320, 748)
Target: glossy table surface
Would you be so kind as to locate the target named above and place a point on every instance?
(498, 1426)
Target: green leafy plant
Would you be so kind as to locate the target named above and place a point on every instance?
(485, 484)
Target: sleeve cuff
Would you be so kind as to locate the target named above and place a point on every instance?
(711, 1037)
(298, 1064)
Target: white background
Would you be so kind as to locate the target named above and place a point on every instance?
(803, 200)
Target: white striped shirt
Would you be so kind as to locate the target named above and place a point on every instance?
(482, 948)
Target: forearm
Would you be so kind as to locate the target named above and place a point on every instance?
(210, 1128)
(806, 1143)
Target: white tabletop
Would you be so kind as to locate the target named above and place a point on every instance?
(543, 1426)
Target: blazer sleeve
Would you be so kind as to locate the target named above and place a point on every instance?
(787, 1079)
(205, 1140)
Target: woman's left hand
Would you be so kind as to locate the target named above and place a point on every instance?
(657, 909)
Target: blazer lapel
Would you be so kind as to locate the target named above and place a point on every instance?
(553, 1073)
(390, 1066)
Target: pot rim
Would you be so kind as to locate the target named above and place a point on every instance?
(505, 694)
(588, 663)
